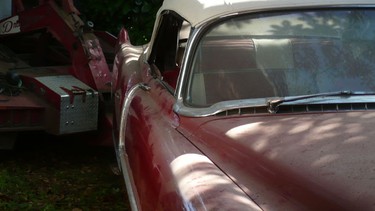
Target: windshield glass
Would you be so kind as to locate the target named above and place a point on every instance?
(284, 54)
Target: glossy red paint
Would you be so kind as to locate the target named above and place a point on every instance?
(266, 156)
(170, 173)
(294, 162)
(199, 141)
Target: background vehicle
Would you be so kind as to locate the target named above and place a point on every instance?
(54, 72)
(270, 107)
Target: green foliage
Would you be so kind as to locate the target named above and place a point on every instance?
(137, 16)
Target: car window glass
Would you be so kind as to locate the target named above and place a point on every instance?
(284, 54)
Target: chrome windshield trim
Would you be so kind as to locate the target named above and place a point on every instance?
(184, 110)
(216, 108)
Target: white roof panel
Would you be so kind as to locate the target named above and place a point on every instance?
(197, 11)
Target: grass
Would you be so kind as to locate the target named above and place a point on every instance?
(48, 174)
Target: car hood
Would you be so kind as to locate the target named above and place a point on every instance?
(296, 161)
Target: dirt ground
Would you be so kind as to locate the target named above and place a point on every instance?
(43, 172)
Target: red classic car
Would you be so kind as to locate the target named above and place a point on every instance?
(249, 105)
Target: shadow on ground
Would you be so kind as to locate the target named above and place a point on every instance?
(43, 172)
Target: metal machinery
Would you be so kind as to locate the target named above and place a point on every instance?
(54, 72)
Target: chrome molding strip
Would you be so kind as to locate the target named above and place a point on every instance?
(220, 107)
(124, 161)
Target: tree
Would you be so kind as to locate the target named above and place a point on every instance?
(137, 16)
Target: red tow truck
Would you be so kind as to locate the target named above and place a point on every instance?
(54, 72)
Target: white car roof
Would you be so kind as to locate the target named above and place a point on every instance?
(197, 11)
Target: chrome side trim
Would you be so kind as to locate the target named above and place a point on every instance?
(124, 161)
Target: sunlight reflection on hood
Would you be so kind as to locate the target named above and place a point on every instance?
(203, 186)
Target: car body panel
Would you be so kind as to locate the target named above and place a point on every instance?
(318, 160)
(314, 155)
(199, 11)
(166, 168)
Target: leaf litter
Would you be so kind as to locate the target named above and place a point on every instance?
(52, 173)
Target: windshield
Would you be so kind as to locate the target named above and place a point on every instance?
(284, 54)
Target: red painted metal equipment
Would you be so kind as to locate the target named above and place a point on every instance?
(54, 75)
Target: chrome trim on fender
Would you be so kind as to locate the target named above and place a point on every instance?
(125, 167)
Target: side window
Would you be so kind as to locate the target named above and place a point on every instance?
(168, 48)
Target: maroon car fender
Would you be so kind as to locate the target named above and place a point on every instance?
(126, 75)
(165, 171)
